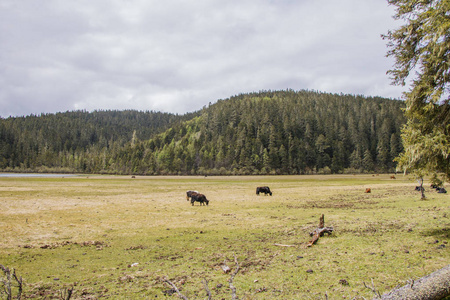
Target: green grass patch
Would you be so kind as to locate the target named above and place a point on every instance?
(119, 237)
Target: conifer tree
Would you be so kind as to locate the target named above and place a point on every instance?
(422, 47)
(368, 164)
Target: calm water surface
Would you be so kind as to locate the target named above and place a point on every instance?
(35, 175)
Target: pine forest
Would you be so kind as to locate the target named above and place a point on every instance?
(268, 132)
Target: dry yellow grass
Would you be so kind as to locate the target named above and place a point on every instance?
(118, 237)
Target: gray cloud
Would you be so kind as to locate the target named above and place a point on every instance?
(177, 56)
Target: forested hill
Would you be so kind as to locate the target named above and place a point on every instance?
(50, 142)
(283, 132)
(274, 132)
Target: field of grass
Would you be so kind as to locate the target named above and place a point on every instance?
(120, 237)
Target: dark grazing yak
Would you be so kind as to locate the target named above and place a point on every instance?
(419, 188)
(440, 190)
(189, 194)
(263, 189)
(199, 198)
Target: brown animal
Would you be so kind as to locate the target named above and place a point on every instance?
(189, 194)
(392, 177)
(199, 198)
(368, 190)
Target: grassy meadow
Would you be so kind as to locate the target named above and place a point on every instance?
(119, 237)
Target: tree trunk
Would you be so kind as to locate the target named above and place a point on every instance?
(422, 190)
(434, 286)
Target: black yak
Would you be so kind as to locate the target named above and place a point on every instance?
(263, 189)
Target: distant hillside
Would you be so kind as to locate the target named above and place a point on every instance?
(272, 132)
(42, 142)
(281, 132)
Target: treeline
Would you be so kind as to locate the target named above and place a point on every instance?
(283, 132)
(67, 141)
(270, 132)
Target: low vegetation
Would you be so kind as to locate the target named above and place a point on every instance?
(122, 237)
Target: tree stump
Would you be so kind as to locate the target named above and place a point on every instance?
(319, 231)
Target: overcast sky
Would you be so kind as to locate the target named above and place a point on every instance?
(179, 55)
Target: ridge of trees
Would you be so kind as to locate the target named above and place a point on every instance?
(267, 132)
(55, 142)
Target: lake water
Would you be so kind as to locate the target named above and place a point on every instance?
(35, 175)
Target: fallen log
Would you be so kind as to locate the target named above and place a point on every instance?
(434, 286)
(283, 245)
(319, 231)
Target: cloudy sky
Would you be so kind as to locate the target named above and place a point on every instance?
(179, 55)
